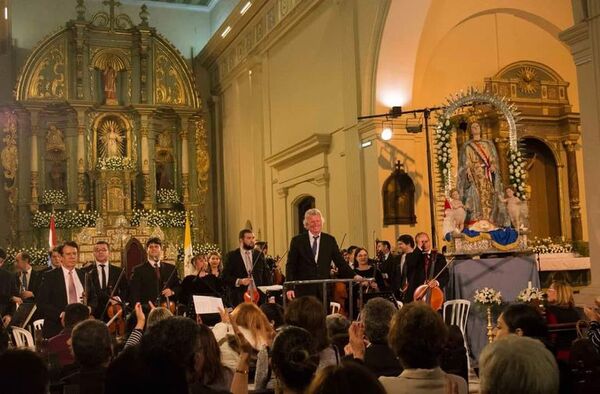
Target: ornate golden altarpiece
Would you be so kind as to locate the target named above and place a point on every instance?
(106, 113)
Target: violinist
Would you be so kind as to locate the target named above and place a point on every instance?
(207, 282)
(367, 269)
(155, 279)
(423, 264)
(104, 277)
(244, 267)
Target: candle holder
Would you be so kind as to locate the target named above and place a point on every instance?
(490, 332)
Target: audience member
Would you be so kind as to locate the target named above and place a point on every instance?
(57, 345)
(561, 310)
(454, 357)
(294, 359)
(417, 336)
(337, 329)
(514, 364)
(92, 349)
(23, 372)
(211, 372)
(155, 315)
(347, 378)
(379, 357)
(307, 312)
(523, 320)
(274, 313)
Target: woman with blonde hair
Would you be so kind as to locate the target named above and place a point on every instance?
(253, 325)
(561, 309)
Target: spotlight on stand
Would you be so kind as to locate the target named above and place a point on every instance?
(414, 125)
(387, 131)
(395, 112)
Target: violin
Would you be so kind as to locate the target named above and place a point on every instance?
(170, 305)
(116, 323)
(428, 292)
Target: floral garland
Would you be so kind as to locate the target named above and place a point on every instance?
(197, 249)
(65, 219)
(548, 245)
(158, 218)
(442, 137)
(517, 172)
(530, 294)
(39, 256)
(114, 163)
(167, 196)
(487, 297)
(54, 197)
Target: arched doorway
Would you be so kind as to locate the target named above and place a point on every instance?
(133, 255)
(303, 205)
(544, 206)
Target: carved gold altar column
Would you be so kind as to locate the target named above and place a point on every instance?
(185, 168)
(202, 167)
(147, 201)
(34, 205)
(502, 148)
(81, 200)
(576, 227)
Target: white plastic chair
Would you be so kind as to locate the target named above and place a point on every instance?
(334, 307)
(23, 338)
(38, 324)
(459, 313)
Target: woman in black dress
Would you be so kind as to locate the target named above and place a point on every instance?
(207, 282)
(364, 267)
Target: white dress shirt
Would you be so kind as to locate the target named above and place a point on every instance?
(311, 239)
(27, 278)
(99, 269)
(78, 285)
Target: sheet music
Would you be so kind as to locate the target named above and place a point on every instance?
(204, 304)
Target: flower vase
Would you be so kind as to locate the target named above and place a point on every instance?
(490, 332)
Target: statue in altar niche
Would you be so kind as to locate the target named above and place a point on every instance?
(57, 176)
(164, 160)
(55, 141)
(479, 182)
(110, 85)
(112, 140)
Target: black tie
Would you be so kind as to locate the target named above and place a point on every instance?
(103, 284)
(315, 245)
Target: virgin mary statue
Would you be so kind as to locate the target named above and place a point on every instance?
(480, 184)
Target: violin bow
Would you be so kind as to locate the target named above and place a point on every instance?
(112, 293)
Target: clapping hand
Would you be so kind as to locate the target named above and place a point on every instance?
(356, 332)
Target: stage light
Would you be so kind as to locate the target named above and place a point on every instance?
(395, 111)
(246, 7)
(366, 144)
(386, 133)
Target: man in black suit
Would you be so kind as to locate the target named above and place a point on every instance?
(423, 264)
(104, 277)
(7, 291)
(389, 265)
(63, 286)
(310, 257)
(154, 280)
(55, 256)
(27, 281)
(244, 267)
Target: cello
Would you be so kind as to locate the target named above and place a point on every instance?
(340, 291)
(114, 311)
(428, 293)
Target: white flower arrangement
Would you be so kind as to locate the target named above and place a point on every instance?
(114, 163)
(54, 197)
(487, 296)
(530, 294)
(39, 256)
(517, 172)
(548, 245)
(198, 249)
(167, 196)
(163, 218)
(443, 153)
(65, 219)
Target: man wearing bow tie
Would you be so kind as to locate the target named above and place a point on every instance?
(154, 280)
(423, 264)
(311, 255)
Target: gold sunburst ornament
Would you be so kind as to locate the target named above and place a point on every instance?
(112, 139)
(527, 82)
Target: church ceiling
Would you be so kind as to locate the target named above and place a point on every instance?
(205, 3)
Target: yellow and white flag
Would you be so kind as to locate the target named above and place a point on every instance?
(188, 251)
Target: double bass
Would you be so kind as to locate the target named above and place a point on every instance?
(429, 292)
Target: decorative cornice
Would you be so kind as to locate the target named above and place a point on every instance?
(313, 145)
(578, 39)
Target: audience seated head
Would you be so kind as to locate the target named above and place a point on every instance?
(75, 313)
(307, 312)
(377, 316)
(156, 315)
(294, 358)
(561, 294)
(209, 365)
(23, 372)
(274, 313)
(92, 346)
(337, 324)
(523, 320)
(515, 364)
(418, 336)
(170, 352)
(249, 316)
(347, 378)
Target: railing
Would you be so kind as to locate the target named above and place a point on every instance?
(325, 282)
